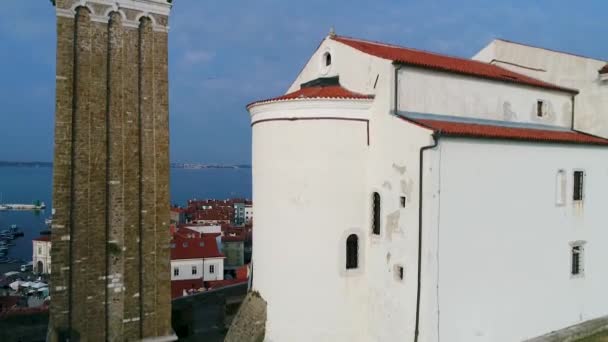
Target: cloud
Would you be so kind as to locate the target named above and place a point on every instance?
(193, 57)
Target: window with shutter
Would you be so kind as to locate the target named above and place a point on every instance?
(578, 185)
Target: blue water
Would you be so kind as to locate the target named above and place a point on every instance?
(27, 185)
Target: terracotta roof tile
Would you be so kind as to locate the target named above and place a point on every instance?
(476, 130)
(318, 92)
(44, 238)
(446, 63)
(194, 248)
(189, 285)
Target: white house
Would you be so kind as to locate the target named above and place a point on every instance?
(196, 258)
(248, 212)
(41, 256)
(429, 197)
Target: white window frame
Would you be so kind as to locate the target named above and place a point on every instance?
(212, 269)
(561, 187)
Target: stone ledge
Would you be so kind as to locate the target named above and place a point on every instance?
(575, 332)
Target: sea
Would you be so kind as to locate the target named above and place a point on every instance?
(27, 185)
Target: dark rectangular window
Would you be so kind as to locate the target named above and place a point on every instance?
(376, 214)
(211, 269)
(578, 185)
(194, 270)
(576, 260)
(175, 271)
(352, 252)
(403, 200)
(539, 108)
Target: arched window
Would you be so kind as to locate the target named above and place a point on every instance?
(327, 59)
(376, 214)
(352, 252)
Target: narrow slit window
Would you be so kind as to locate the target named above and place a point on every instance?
(577, 258)
(560, 188)
(352, 252)
(578, 191)
(376, 213)
(403, 201)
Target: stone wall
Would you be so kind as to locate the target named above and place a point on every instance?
(110, 271)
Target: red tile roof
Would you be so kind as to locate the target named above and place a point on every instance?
(436, 61)
(194, 248)
(216, 284)
(477, 130)
(43, 238)
(318, 92)
(178, 286)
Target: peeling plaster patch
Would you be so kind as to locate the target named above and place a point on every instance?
(136, 295)
(507, 113)
(387, 185)
(406, 188)
(400, 169)
(65, 238)
(392, 223)
(60, 288)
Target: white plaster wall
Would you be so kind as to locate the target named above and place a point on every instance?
(433, 92)
(591, 104)
(504, 254)
(185, 269)
(309, 195)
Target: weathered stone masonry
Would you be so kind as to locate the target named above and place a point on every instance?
(110, 276)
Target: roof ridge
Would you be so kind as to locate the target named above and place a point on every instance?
(550, 49)
(418, 50)
(433, 60)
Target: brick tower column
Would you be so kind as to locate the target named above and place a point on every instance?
(110, 275)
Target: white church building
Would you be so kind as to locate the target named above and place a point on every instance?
(403, 195)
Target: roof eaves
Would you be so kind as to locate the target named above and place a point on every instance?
(506, 79)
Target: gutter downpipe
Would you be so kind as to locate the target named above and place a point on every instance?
(435, 136)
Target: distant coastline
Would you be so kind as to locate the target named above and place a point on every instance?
(188, 166)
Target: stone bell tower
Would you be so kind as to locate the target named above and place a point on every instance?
(110, 277)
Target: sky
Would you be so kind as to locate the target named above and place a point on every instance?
(227, 53)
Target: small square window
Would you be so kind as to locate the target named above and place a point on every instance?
(403, 201)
